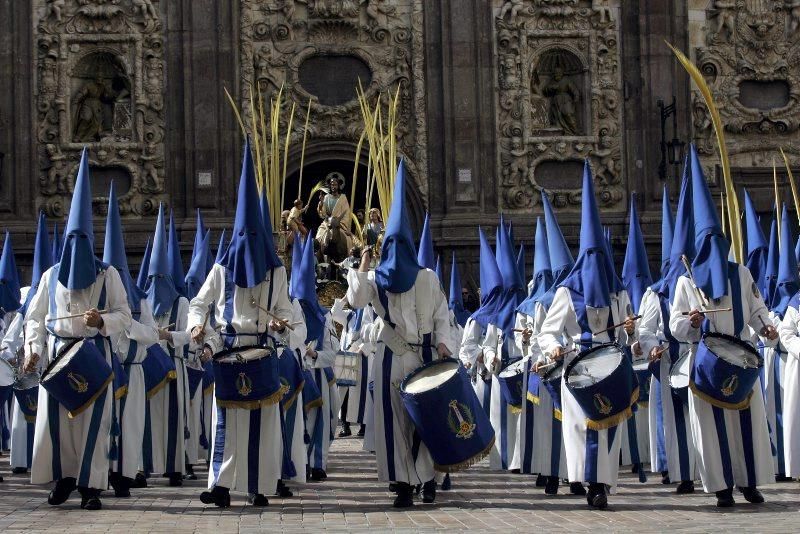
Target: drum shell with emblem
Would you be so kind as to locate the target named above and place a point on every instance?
(291, 377)
(158, 369)
(448, 417)
(724, 370)
(120, 378)
(606, 397)
(247, 377)
(194, 377)
(27, 400)
(512, 382)
(312, 395)
(77, 376)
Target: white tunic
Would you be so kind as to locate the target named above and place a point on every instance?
(504, 418)
(733, 445)
(353, 341)
(21, 428)
(321, 420)
(775, 364)
(293, 417)
(790, 338)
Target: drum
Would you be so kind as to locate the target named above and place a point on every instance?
(28, 400)
(347, 367)
(158, 369)
(7, 373)
(725, 370)
(602, 381)
(643, 379)
(511, 380)
(194, 377)
(247, 378)
(77, 376)
(449, 419)
(679, 376)
(548, 377)
(292, 378)
(120, 378)
(312, 396)
(208, 378)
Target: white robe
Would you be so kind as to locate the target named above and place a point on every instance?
(321, 420)
(131, 348)
(670, 441)
(720, 433)
(775, 365)
(592, 455)
(470, 353)
(790, 338)
(239, 431)
(352, 341)
(417, 313)
(294, 420)
(76, 447)
(505, 420)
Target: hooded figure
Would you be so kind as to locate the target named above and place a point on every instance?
(247, 295)
(131, 350)
(161, 291)
(561, 260)
(682, 240)
(426, 257)
(198, 269)
(174, 259)
(144, 267)
(772, 266)
(587, 310)
(732, 438)
(42, 260)
(667, 231)
(491, 283)
(438, 270)
(80, 285)
(222, 247)
(757, 246)
(456, 301)
(57, 244)
(10, 298)
(542, 273)
(415, 322)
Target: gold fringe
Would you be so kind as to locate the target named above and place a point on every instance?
(30, 418)
(332, 381)
(466, 463)
(718, 403)
(534, 398)
(255, 404)
(209, 389)
(616, 419)
(288, 403)
(121, 392)
(171, 375)
(557, 414)
(514, 409)
(87, 404)
(313, 404)
(644, 404)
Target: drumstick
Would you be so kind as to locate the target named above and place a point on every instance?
(101, 312)
(700, 295)
(715, 310)
(615, 326)
(262, 308)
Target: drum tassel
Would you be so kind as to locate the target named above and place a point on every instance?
(466, 463)
(743, 405)
(255, 404)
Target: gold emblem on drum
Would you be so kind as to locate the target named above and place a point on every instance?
(602, 403)
(460, 420)
(730, 385)
(31, 403)
(78, 382)
(244, 385)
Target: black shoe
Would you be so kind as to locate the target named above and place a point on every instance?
(686, 486)
(90, 499)
(635, 468)
(551, 486)
(404, 497)
(61, 492)
(175, 480)
(751, 494)
(23, 470)
(140, 481)
(257, 499)
(345, 431)
(429, 491)
(446, 483)
(541, 481)
(417, 489)
(393, 487)
(318, 475)
(576, 488)
(725, 498)
(121, 485)
(218, 496)
(515, 471)
(596, 496)
(778, 478)
(665, 477)
(283, 490)
(189, 473)
(361, 432)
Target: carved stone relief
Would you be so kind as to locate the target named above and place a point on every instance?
(749, 53)
(559, 100)
(100, 84)
(379, 42)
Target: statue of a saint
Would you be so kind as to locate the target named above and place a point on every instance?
(88, 115)
(563, 96)
(334, 233)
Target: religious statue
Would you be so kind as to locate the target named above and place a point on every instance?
(563, 96)
(88, 117)
(511, 8)
(726, 17)
(54, 8)
(146, 8)
(333, 235)
(373, 228)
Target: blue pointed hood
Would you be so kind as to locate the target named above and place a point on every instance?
(771, 270)
(114, 252)
(199, 233)
(513, 285)
(398, 269)
(521, 261)
(57, 244)
(682, 239)
(710, 265)
(426, 257)
(635, 271)
(593, 271)
(78, 266)
(667, 231)
(144, 267)
(438, 270)
(297, 259)
(491, 282)
(788, 283)
(175, 260)
(757, 246)
(251, 252)
(222, 247)
(542, 273)
(797, 250)
(161, 291)
(305, 291)
(561, 260)
(456, 301)
(9, 279)
(196, 276)
(42, 259)
(266, 219)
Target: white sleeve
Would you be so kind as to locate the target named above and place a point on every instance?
(552, 331)
(144, 331)
(788, 331)
(649, 324)
(118, 317)
(360, 290)
(679, 324)
(35, 325)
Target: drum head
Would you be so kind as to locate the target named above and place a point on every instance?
(244, 354)
(6, 373)
(513, 369)
(732, 351)
(594, 365)
(431, 377)
(679, 373)
(641, 365)
(554, 372)
(65, 357)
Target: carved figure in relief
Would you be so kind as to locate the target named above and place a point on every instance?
(511, 8)
(601, 8)
(514, 160)
(376, 8)
(510, 71)
(146, 8)
(794, 15)
(54, 8)
(563, 96)
(88, 117)
(726, 17)
(56, 173)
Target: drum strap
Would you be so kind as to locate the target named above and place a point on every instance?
(229, 333)
(587, 336)
(389, 335)
(736, 302)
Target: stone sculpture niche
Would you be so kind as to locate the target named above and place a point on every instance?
(101, 99)
(557, 94)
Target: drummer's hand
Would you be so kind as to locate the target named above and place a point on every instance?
(206, 354)
(536, 367)
(311, 353)
(655, 354)
(629, 325)
(769, 332)
(277, 326)
(696, 318)
(92, 318)
(637, 349)
(31, 361)
(198, 334)
(526, 335)
(164, 335)
(443, 351)
(557, 353)
(467, 365)
(480, 357)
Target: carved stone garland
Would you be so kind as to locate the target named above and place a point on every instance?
(559, 101)
(277, 36)
(100, 84)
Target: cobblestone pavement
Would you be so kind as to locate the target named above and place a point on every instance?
(352, 500)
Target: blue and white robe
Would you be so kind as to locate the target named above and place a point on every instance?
(498, 351)
(671, 444)
(247, 450)
(733, 445)
(76, 447)
(351, 341)
(592, 455)
(790, 338)
(321, 420)
(774, 380)
(420, 316)
(470, 352)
